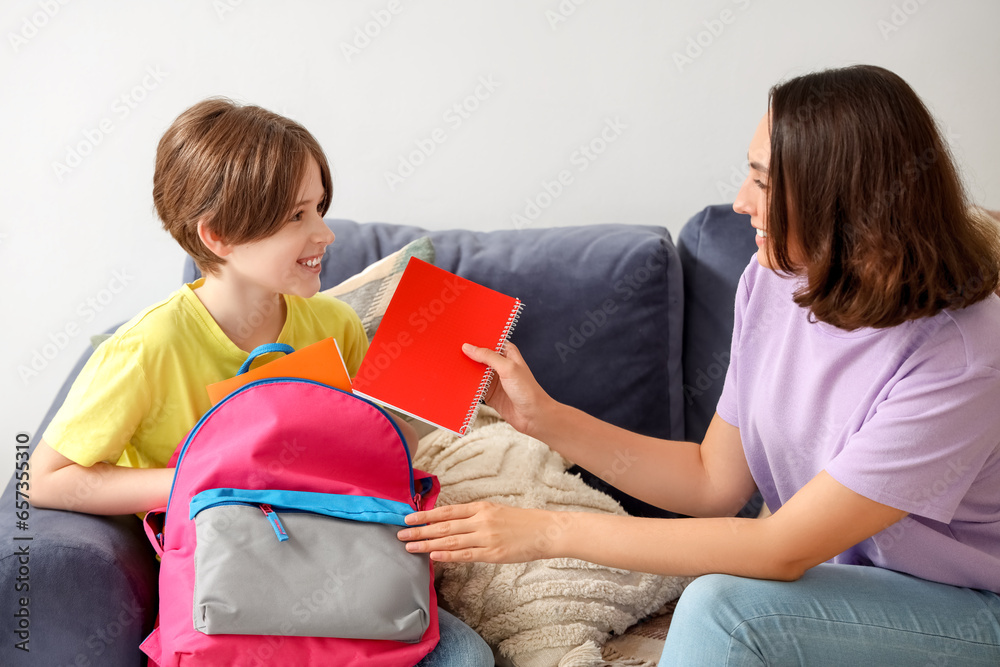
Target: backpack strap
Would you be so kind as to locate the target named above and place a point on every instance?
(152, 523)
(267, 348)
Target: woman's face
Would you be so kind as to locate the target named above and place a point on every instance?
(752, 197)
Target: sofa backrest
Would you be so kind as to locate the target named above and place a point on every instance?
(715, 247)
(601, 324)
(608, 309)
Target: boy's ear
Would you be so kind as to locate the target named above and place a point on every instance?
(212, 241)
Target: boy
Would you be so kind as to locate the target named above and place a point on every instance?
(243, 191)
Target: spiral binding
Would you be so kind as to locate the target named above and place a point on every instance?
(484, 384)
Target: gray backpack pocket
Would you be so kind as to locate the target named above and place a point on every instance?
(306, 564)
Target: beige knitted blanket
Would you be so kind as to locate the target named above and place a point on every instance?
(548, 613)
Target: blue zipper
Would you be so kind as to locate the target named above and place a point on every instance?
(339, 506)
(197, 427)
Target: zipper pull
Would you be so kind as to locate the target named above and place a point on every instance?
(272, 516)
(416, 500)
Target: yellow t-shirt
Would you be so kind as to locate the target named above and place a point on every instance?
(143, 389)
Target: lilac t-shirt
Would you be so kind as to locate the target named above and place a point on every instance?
(907, 416)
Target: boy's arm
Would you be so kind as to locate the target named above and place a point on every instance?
(409, 433)
(59, 483)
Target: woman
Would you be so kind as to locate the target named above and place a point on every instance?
(861, 400)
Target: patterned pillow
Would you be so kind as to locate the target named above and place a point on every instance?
(369, 292)
(97, 339)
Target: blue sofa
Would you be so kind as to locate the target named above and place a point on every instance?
(618, 321)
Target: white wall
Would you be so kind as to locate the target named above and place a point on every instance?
(81, 249)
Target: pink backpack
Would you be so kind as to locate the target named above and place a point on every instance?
(278, 545)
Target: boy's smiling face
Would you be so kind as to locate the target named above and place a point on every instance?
(289, 261)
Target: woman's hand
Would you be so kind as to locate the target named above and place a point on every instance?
(486, 533)
(517, 396)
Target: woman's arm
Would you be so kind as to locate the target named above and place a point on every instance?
(59, 483)
(710, 479)
(820, 521)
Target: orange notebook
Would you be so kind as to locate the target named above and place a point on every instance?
(415, 363)
(320, 361)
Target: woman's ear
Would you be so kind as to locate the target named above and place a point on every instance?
(212, 240)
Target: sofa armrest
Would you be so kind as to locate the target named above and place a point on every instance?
(715, 246)
(77, 589)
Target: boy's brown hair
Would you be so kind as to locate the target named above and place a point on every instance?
(237, 166)
(862, 181)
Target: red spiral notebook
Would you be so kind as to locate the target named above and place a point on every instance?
(415, 363)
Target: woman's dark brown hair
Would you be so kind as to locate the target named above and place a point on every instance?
(238, 167)
(864, 200)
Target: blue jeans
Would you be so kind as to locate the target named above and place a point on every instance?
(460, 646)
(833, 615)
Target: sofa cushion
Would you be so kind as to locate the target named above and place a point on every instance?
(91, 579)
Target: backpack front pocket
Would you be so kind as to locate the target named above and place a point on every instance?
(306, 564)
